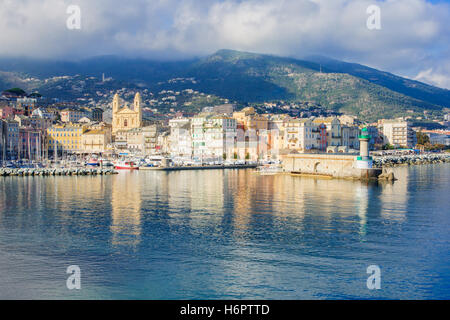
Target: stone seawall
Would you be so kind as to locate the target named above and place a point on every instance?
(397, 160)
(177, 168)
(332, 165)
(7, 172)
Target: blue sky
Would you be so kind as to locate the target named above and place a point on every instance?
(413, 40)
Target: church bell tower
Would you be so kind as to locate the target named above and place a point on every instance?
(138, 108)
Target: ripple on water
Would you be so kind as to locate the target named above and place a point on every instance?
(225, 234)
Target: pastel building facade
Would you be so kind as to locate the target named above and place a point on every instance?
(213, 137)
(397, 132)
(65, 137)
(71, 115)
(180, 138)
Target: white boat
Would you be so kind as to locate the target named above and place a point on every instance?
(269, 169)
(154, 161)
(125, 165)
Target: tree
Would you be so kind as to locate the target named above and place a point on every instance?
(422, 138)
(17, 91)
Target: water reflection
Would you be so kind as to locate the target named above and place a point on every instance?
(362, 197)
(126, 205)
(235, 201)
(394, 196)
(225, 234)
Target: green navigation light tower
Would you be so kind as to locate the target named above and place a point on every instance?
(364, 161)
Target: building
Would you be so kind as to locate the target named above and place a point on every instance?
(303, 135)
(124, 118)
(334, 133)
(2, 141)
(250, 119)
(154, 140)
(30, 143)
(275, 135)
(447, 117)
(12, 138)
(71, 115)
(213, 137)
(22, 120)
(27, 105)
(43, 113)
(397, 133)
(97, 114)
(4, 102)
(84, 120)
(180, 138)
(252, 139)
(35, 122)
(349, 137)
(143, 141)
(95, 140)
(65, 137)
(135, 140)
(226, 109)
(376, 140)
(438, 137)
(7, 112)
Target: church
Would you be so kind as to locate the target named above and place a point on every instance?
(124, 118)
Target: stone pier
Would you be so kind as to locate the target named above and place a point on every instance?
(335, 165)
(331, 165)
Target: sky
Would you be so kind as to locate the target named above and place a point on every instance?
(413, 38)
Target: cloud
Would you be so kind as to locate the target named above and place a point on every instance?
(413, 40)
(438, 78)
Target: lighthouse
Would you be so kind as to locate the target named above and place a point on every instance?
(364, 161)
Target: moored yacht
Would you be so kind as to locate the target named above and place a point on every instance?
(125, 165)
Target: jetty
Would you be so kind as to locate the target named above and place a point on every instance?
(335, 165)
(205, 167)
(25, 172)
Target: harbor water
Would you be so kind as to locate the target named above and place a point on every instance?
(225, 234)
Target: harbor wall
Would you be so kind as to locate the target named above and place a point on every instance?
(209, 167)
(331, 165)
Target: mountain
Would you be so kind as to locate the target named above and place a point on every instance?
(412, 88)
(245, 78)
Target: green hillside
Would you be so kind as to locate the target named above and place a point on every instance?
(250, 77)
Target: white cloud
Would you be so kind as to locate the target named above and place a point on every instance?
(414, 38)
(434, 77)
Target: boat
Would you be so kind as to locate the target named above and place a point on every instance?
(153, 161)
(125, 165)
(92, 162)
(269, 169)
(108, 164)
